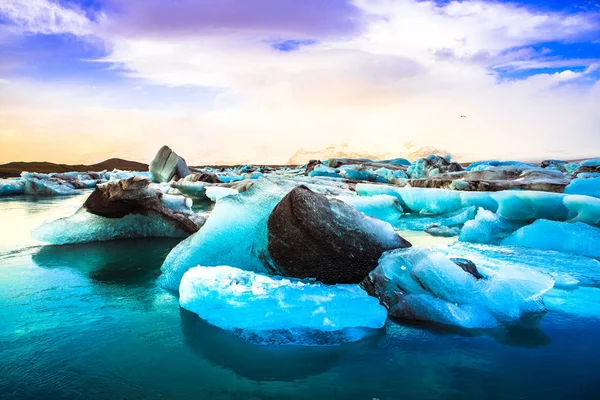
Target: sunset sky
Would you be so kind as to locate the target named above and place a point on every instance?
(255, 80)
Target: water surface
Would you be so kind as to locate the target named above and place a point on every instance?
(89, 321)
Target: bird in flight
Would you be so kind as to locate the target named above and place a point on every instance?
(463, 116)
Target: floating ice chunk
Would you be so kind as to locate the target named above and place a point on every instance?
(44, 185)
(9, 187)
(487, 227)
(272, 310)
(383, 207)
(230, 177)
(177, 203)
(419, 222)
(582, 302)
(566, 269)
(117, 175)
(594, 162)
(587, 187)
(575, 238)
(83, 227)
(583, 208)
(524, 204)
(442, 231)
(492, 164)
(235, 234)
(416, 283)
(218, 192)
(322, 170)
(196, 190)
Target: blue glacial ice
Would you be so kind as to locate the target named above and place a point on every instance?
(195, 190)
(83, 227)
(44, 185)
(235, 234)
(383, 207)
(487, 227)
(520, 205)
(273, 310)
(575, 238)
(492, 164)
(218, 192)
(568, 270)
(419, 222)
(583, 186)
(420, 284)
(9, 187)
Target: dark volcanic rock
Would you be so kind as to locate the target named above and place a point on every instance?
(311, 236)
(467, 266)
(559, 165)
(168, 166)
(134, 196)
(203, 177)
(311, 165)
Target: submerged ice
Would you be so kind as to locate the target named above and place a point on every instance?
(274, 310)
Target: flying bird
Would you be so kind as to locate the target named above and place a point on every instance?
(463, 116)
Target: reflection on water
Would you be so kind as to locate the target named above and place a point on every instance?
(120, 261)
(89, 322)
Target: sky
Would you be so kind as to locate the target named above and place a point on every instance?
(224, 81)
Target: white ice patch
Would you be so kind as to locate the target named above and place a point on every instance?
(273, 310)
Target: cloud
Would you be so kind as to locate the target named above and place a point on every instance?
(299, 19)
(45, 17)
(379, 73)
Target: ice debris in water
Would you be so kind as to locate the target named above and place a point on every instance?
(419, 284)
(419, 222)
(273, 310)
(575, 238)
(235, 234)
(83, 227)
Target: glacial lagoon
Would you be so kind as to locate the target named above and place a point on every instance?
(90, 320)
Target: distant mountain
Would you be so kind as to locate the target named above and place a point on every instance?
(408, 151)
(15, 168)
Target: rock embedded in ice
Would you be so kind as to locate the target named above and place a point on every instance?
(311, 236)
(274, 310)
(467, 266)
(235, 234)
(575, 238)
(419, 284)
(137, 196)
(432, 165)
(207, 177)
(167, 166)
(85, 227)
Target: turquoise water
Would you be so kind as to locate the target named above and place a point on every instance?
(89, 322)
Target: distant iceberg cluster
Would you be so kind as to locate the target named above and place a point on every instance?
(315, 254)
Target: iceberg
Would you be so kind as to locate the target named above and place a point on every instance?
(9, 187)
(568, 270)
(575, 238)
(419, 222)
(45, 185)
(419, 284)
(130, 208)
(273, 310)
(235, 234)
(583, 186)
